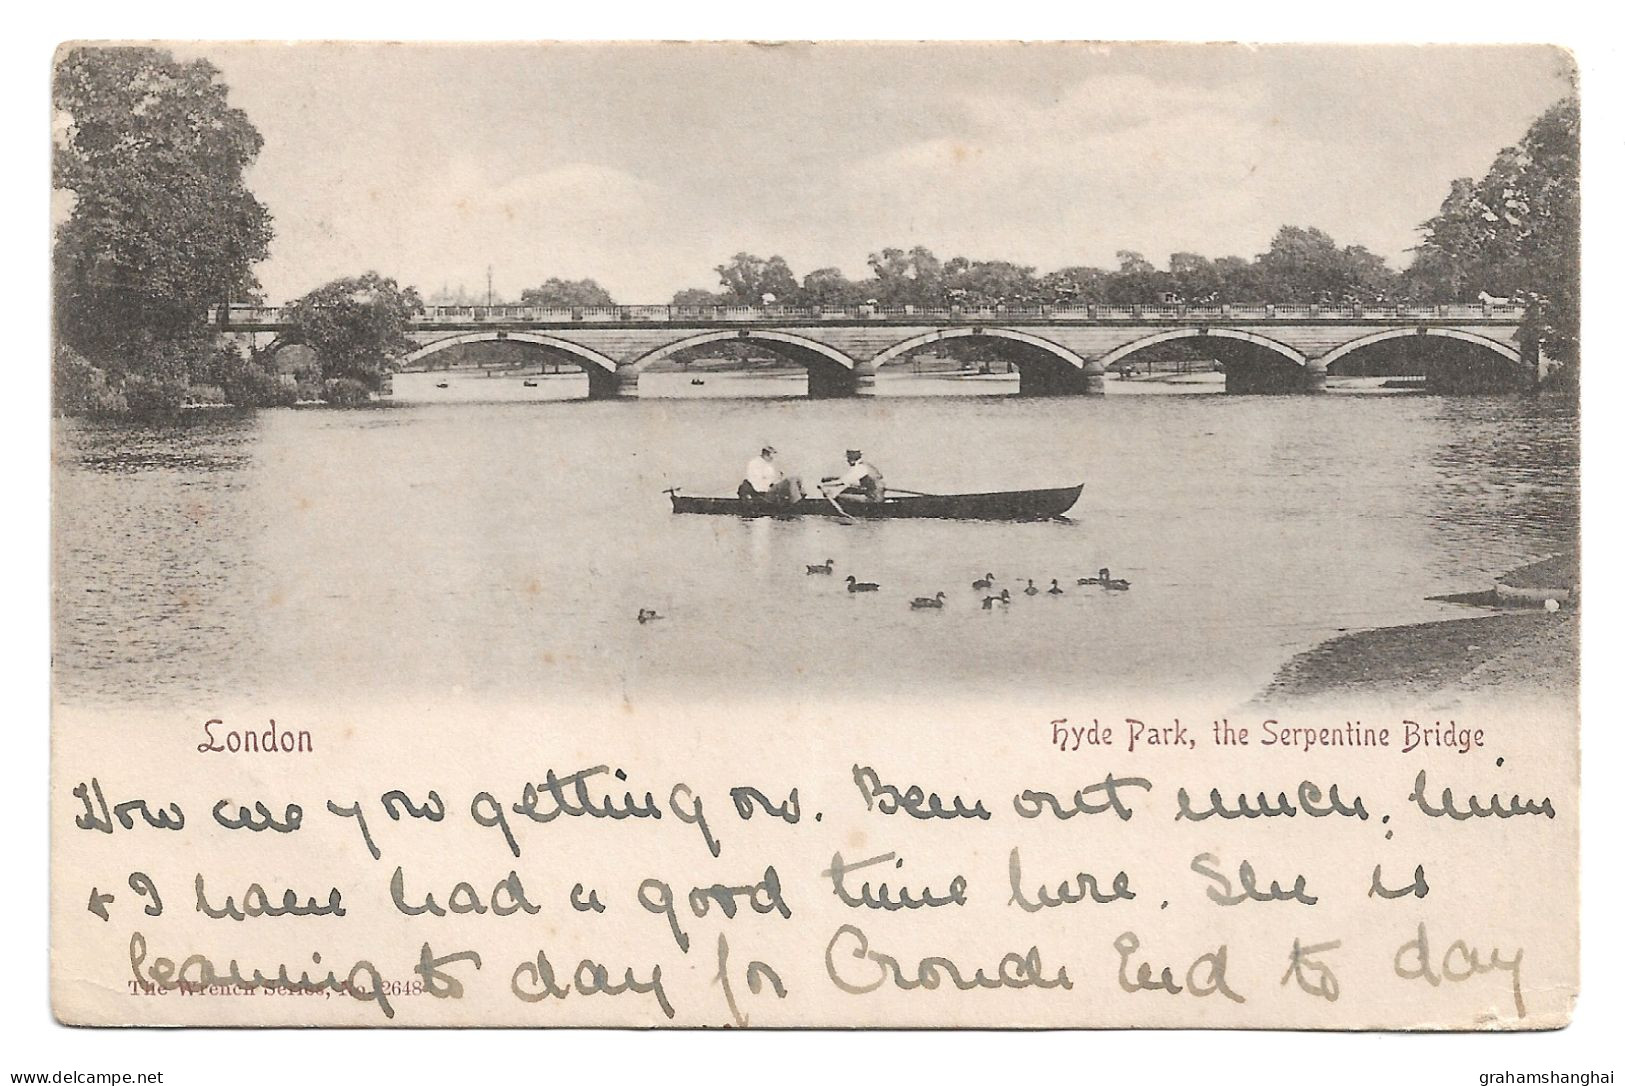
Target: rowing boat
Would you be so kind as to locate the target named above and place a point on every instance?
(999, 505)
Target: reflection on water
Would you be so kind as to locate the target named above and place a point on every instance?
(506, 548)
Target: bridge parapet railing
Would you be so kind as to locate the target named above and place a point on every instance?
(1492, 310)
(254, 314)
(953, 313)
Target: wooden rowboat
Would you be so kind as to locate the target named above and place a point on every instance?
(1000, 505)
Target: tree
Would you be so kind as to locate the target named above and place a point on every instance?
(356, 327)
(1130, 262)
(746, 278)
(1135, 282)
(989, 282)
(1300, 266)
(912, 277)
(566, 293)
(1548, 194)
(1073, 286)
(695, 296)
(1368, 278)
(1195, 279)
(1239, 281)
(830, 287)
(1456, 249)
(162, 226)
(1304, 265)
(1516, 233)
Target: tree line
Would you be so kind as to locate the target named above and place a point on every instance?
(161, 229)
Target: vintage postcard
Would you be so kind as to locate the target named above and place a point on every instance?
(723, 534)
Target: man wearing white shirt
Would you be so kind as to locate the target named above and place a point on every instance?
(765, 481)
(861, 481)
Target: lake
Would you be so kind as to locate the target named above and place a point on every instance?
(492, 540)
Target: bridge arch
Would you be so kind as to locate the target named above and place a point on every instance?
(586, 356)
(800, 349)
(1502, 349)
(1291, 355)
(898, 350)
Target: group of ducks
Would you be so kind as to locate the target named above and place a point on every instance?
(1104, 579)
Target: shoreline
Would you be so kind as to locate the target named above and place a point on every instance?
(1517, 649)
(1524, 652)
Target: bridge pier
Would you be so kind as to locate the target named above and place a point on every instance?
(1045, 379)
(603, 384)
(1273, 380)
(834, 382)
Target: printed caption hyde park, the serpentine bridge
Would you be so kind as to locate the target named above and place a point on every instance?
(1058, 349)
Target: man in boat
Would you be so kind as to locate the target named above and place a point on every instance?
(766, 482)
(861, 482)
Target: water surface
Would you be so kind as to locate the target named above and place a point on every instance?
(502, 543)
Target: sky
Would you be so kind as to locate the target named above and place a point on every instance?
(645, 165)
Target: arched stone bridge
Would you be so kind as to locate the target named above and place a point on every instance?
(1057, 349)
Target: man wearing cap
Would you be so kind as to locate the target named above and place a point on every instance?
(860, 482)
(765, 482)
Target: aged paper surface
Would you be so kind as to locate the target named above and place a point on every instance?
(471, 608)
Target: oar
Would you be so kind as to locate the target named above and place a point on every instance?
(831, 499)
(910, 493)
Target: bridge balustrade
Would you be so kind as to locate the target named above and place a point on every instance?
(1156, 314)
